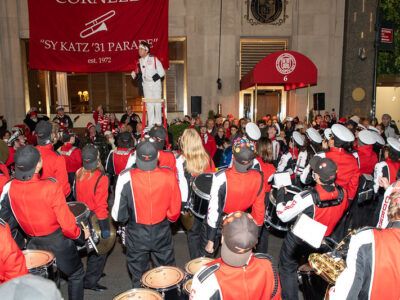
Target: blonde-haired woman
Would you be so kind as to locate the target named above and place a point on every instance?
(193, 161)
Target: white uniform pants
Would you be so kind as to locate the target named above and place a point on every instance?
(152, 90)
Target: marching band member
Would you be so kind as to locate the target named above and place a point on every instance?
(289, 160)
(348, 172)
(372, 263)
(325, 203)
(12, 260)
(236, 188)
(238, 271)
(272, 134)
(383, 209)
(264, 163)
(389, 168)
(367, 157)
(193, 161)
(379, 142)
(118, 158)
(91, 188)
(71, 154)
(152, 71)
(314, 141)
(148, 198)
(54, 165)
(38, 206)
(165, 158)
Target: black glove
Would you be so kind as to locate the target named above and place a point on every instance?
(156, 77)
(280, 195)
(105, 228)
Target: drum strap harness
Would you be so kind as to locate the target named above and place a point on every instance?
(327, 203)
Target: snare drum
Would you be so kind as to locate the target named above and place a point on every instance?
(201, 194)
(139, 294)
(312, 285)
(166, 280)
(41, 263)
(271, 218)
(80, 211)
(193, 266)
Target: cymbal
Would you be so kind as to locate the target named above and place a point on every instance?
(104, 245)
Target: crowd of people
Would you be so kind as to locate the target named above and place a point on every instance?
(220, 179)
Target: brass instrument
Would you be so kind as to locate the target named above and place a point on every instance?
(330, 265)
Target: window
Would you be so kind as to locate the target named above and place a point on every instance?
(83, 92)
(254, 50)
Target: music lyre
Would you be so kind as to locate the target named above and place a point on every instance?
(97, 24)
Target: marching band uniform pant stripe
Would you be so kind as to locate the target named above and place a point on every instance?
(67, 257)
(145, 241)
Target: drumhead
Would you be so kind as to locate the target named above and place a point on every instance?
(139, 294)
(193, 266)
(162, 277)
(78, 208)
(187, 287)
(202, 185)
(37, 258)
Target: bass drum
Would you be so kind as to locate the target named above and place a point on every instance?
(312, 285)
(271, 218)
(201, 194)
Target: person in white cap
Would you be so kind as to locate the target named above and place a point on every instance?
(379, 142)
(367, 157)
(62, 119)
(389, 168)
(152, 71)
(348, 172)
(314, 146)
(239, 273)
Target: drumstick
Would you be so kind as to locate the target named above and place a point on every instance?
(286, 190)
(90, 238)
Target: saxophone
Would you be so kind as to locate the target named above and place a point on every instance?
(330, 265)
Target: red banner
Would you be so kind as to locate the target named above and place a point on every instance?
(95, 35)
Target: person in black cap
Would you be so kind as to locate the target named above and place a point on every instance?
(325, 203)
(148, 199)
(118, 158)
(165, 158)
(239, 271)
(53, 163)
(62, 119)
(91, 188)
(237, 188)
(38, 206)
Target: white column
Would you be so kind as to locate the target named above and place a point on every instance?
(62, 90)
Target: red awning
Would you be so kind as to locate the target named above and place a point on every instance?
(291, 69)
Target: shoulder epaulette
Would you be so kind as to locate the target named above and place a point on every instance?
(2, 222)
(52, 179)
(203, 275)
(263, 256)
(165, 167)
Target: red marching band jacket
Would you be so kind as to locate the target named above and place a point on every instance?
(257, 280)
(54, 166)
(39, 207)
(4, 176)
(348, 173)
(12, 260)
(72, 156)
(368, 159)
(92, 189)
(235, 191)
(304, 202)
(117, 160)
(268, 170)
(151, 196)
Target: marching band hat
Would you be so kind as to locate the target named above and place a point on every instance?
(146, 155)
(60, 107)
(90, 157)
(394, 143)
(252, 131)
(328, 133)
(379, 139)
(360, 126)
(374, 129)
(26, 159)
(367, 137)
(298, 138)
(313, 135)
(43, 130)
(240, 235)
(324, 167)
(342, 133)
(355, 119)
